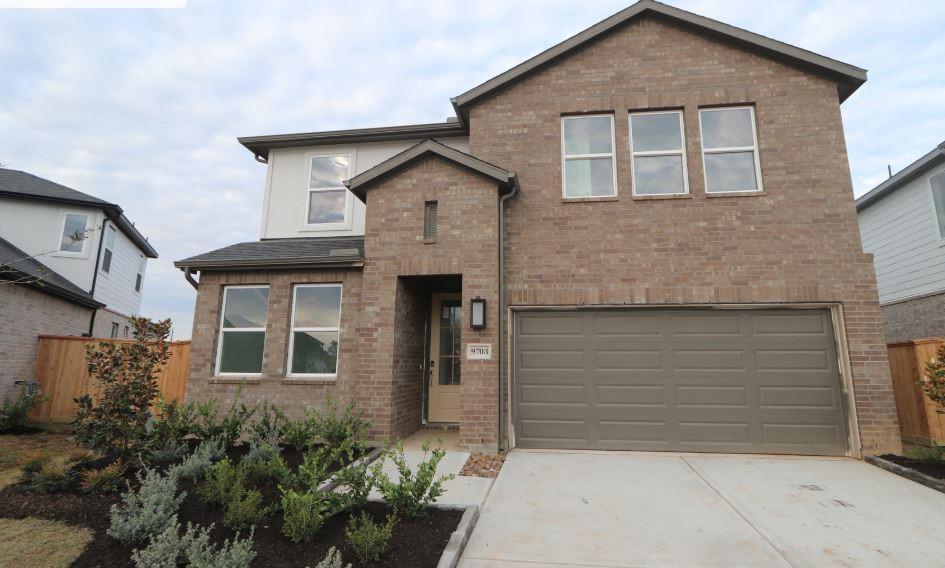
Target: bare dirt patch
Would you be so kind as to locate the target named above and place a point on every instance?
(483, 465)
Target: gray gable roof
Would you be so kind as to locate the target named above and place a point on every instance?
(321, 252)
(360, 183)
(16, 265)
(909, 173)
(22, 185)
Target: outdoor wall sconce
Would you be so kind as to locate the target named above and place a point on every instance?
(477, 308)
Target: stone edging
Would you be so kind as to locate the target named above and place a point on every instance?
(332, 483)
(908, 473)
(459, 538)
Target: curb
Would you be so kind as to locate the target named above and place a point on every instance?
(908, 473)
(332, 483)
(459, 538)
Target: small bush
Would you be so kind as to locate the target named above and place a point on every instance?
(413, 492)
(198, 463)
(205, 423)
(369, 539)
(170, 549)
(14, 411)
(164, 550)
(173, 420)
(332, 560)
(104, 480)
(357, 481)
(244, 509)
(316, 467)
(304, 513)
(52, 477)
(934, 454)
(170, 451)
(264, 464)
(300, 434)
(32, 463)
(268, 426)
(148, 511)
(222, 481)
(346, 432)
(933, 382)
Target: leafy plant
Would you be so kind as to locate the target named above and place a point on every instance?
(316, 467)
(205, 424)
(173, 420)
(223, 479)
(346, 432)
(264, 464)
(164, 549)
(171, 450)
(147, 511)
(199, 462)
(268, 426)
(413, 492)
(933, 383)
(14, 411)
(933, 454)
(170, 549)
(300, 434)
(33, 463)
(52, 477)
(332, 560)
(369, 539)
(244, 509)
(103, 480)
(126, 377)
(357, 480)
(304, 513)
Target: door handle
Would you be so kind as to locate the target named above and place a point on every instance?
(432, 365)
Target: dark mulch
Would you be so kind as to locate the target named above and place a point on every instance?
(415, 543)
(932, 469)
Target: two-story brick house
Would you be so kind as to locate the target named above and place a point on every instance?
(642, 238)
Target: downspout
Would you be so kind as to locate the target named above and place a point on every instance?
(513, 183)
(189, 276)
(98, 258)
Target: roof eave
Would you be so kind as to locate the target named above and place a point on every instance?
(271, 264)
(53, 290)
(906, 175)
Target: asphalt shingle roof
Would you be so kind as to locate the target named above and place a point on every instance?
(280, 252)
(16, 265)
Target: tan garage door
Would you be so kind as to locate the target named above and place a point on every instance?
(699, 380)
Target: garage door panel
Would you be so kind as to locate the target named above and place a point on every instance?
(763, 381)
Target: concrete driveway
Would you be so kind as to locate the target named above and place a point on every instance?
(638, 509)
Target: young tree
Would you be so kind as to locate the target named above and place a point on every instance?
(126, 376)
(933, 383)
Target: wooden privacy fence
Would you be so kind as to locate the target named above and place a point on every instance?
(62, 374)
(919, 420)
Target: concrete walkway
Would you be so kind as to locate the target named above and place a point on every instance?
(460, 491)
(599, 509)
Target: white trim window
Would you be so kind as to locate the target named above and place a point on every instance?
(588, 166)
(730, 150)
(938, 199)
(242, 330)
(658, 153)
(113, 334)
(315, 334)
(328, 200)
(73, 238)
(139, 277)
(108, 249)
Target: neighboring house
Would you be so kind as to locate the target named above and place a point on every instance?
(58, 275)
(902, 221)
(643, 238)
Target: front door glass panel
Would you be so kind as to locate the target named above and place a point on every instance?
(450, 342)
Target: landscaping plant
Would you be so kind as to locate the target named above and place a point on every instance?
(126, 378)
(305, 512)
(300, 434)
(198, 463)
(147, 511)
(230, 427)
(268, 426)
(169, 451)
(52, 477)
(14, 411)
(369, 539)
(173, 420)
(170, 549)
(357, 480)
(332, 560)
(346, 432)
(933, 383)
(264, 464)
(413, 492)
(243, 509)
(223, 480)
(104, 480)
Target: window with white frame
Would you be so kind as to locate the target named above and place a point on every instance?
(114, 331)
(139, 277)
(242, 330)
(327, 194)
(110, 233)
(75, 227)
(316, 330)
(658, 154)
(938, 197)
(730, 150)
(587, 156)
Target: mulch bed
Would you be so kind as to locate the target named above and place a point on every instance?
(932, 469)
(483, 465)
(415, 542)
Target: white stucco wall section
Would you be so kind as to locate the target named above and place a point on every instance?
(116, 288)
(901, 231)
(36, 228)
(286, 199)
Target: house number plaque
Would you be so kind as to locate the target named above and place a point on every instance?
(479, 351)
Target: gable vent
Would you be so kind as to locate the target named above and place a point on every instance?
(429, 221)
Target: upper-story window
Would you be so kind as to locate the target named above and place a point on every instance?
(75, 227)
(730, 150)
(587, 156)
(139, 277)
(110, 233)
(316, 330)
(242, 330)
(327, 195)
(658, 154)
(938, 197)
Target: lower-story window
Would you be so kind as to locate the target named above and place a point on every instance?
(316, 330)
(242, 330)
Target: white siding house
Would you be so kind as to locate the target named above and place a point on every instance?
(902, 223)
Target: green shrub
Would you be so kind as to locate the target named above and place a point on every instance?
(357, 481)
(104, 480)
(223, 480)
(126, 376)
(300, 434)
(169, 451)
(268, 426)
(933, 454)
(205, 424)
(198, 463)
(52, 477)
(170, 549)
(316, 467)
(346, 432)
(304, 513)
(264, 464)
(33, 463)
(164, 549)
(369, 539)
(147, 511)
(413, 492)
(243, 509)
(933, 382)
(332, 560)
(173, 420)
(14, 411)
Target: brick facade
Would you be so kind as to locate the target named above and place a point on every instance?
(915, 319)
(25, 314)
(103, 324)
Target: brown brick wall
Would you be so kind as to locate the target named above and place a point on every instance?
(25, 314)
(915, 319)
(295, 395)
(410, 313)
(799, 242)
(103, 324)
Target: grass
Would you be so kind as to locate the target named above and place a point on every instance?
(38, 543)
(15, 449)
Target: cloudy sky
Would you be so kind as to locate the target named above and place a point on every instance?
(143, 107)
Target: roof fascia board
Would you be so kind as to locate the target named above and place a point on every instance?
(907, 174)
(269, 263)
(260, 145)
(14, 274)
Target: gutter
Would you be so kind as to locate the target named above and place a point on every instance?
(189, 277)
(268, 263)
(98, 258)
(513, 184)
